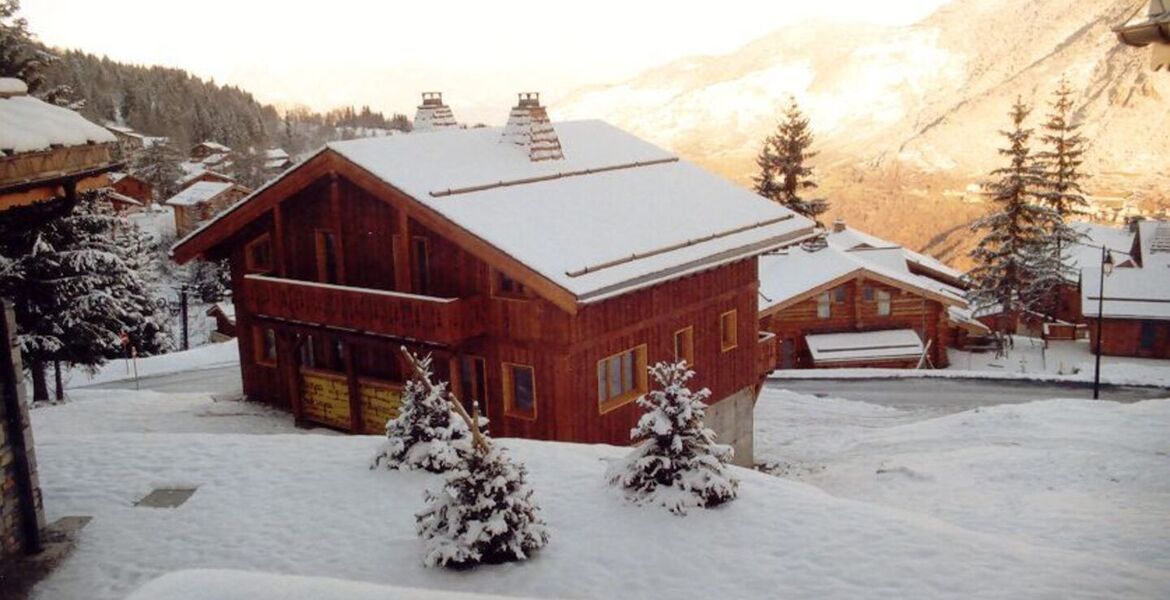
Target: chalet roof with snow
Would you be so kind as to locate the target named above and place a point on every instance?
(1139, 286)
(864, 346)
(199, 193)
(29, 124)
(614, 214)
(800, 272)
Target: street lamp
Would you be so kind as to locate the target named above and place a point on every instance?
(1106, 269)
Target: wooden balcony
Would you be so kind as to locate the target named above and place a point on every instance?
(768, 358)
(438, 320)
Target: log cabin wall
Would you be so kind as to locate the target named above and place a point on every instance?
(851, 312)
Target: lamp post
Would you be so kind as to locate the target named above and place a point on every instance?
(1106, 269)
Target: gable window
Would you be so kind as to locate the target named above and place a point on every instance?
(824, 306)
(519, 391)
(867, 294)
(420, 265)
(839, 294)
(326, 256)
(883, 303)
(509, 288)
(258, 255)
(264, 346)
(621, 378)
(684, 345)
(728, 335)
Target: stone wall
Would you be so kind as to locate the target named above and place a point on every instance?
(15, 446)
(733, 421)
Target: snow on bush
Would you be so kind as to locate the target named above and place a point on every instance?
(678, 465)
(426, 434)
(483, 513)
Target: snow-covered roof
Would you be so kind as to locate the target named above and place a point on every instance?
(124, 199)
(794, 272)
(28, 124)
(199, 193)
(275, 153)
(615, 211)
(216, 146)
(887, 344)
(1133, 292)
(227, 309)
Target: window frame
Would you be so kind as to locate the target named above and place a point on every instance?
(840, 295)
(498, 290)
(637, 377)
(420, 274)
(824, 301)
(321, 234)
(688, 345)
(250, 264)
(260, 346)
(510, 408)
(469, 366)
(884, 299)
(724, 344)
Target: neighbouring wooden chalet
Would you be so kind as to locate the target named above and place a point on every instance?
(543, 267)
(853, 300)
(201, 174)
(224, 315)
(200, 202)
(204, 150)
(132, 186)
(1136, 302)
(46, 152)
(276, 160)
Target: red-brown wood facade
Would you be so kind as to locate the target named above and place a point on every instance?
(851, 311)
(133, 187)
(1146, 338)
(370, 294)
(188, 218)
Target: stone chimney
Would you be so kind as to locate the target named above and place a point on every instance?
(839, 225)
(528, 127)
(433, 115)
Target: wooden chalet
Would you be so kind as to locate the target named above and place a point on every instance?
(223, 313)
(544, 268)
(132, 186)
(200, 174)
(1136, 300)
(200, 202)
(853, 300)
(204, 150)
(48, 151)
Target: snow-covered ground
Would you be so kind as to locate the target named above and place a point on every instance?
(1027, 360)
(219, 354)
(1052, 499)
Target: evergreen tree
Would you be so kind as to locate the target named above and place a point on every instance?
(784, 175)
(1010, 271)
(158, 165)
(208, 280)
(20, 56)
(1061, 161)
(678, 465)
(76, 295)
(248, 168)
(427, 434)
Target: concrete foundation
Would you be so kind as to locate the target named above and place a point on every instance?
(733, 420)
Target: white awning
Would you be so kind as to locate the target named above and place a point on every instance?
(890, 344)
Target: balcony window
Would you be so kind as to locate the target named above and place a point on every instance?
(258, 255)
(264, 346)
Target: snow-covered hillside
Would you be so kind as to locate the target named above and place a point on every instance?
(930, 95)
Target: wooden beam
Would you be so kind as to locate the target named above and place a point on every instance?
(337, 226)
(401, 240)
(278, 245)
(355, 389)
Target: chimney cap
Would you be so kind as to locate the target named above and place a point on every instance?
(838, 225)
(432, 98)
(526, 99)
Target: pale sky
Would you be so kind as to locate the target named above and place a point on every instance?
(383, 53)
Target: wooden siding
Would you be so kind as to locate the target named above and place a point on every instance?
(1123, 337)
(855, 313)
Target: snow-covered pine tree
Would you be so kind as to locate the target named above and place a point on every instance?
(1061, 161)
(484, 511)
(678, 465)
(248, 168)
(784, 175)
(1009, 272)
(427, 434)
(158, 165)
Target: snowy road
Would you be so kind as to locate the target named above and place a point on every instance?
(954, 395)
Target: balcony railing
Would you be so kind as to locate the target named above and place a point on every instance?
(769, 356)
(425, 318)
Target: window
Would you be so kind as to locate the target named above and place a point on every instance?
(684, 345)
(621, 378)
(308, 353)
(824, 304)
(508, 287)
(519, 391)
(473, 383)
(867, 294)
(326, 256)
(727, 330)
(419, 272)
(883, 303)
(258, 255)
(264, 342)
(1149, 332)
(839, 294)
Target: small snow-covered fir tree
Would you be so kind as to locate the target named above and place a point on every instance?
(678, 465)
(427, 434)
(1010, 270)
(784, 175)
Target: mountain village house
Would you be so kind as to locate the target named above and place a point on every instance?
(200, 174)
(46, 152)
(1136, 300)
(199, 202)
(543, 267)
(853, 300)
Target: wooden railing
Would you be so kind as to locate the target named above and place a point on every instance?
(769, 356)
(424, 318)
